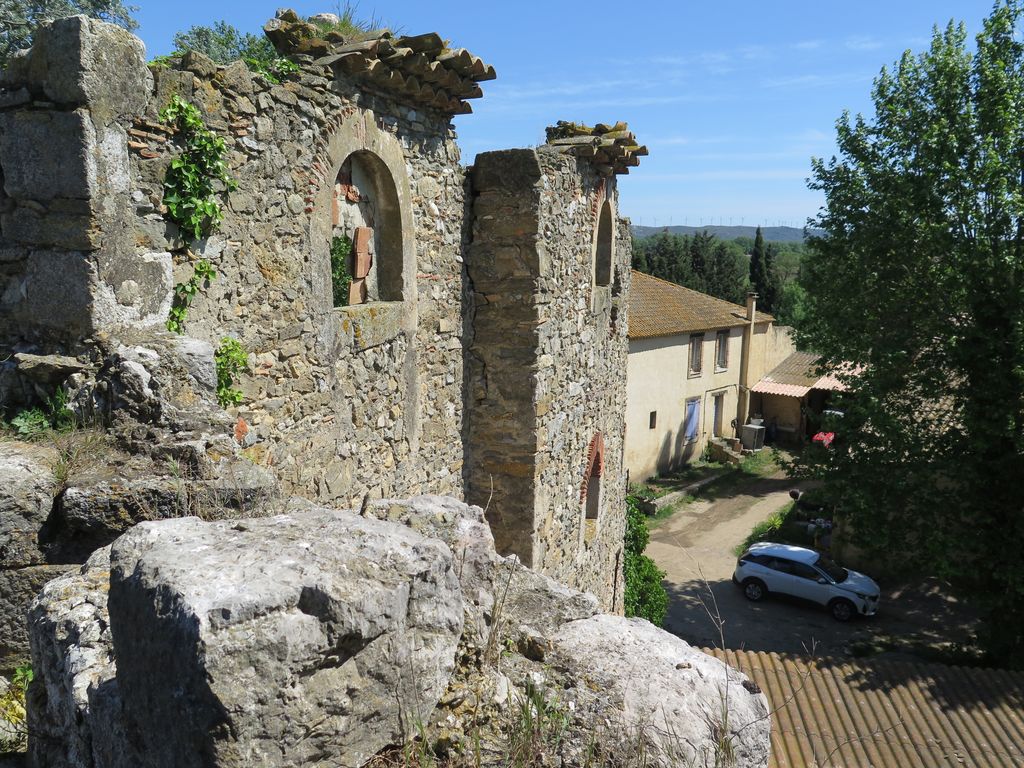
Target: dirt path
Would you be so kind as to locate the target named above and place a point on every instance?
(694, 547)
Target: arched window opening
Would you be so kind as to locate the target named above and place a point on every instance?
(605, 246)
(593, 496)
(591, 490)
(366, 233)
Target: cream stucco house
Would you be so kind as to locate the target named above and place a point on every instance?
(692, 361)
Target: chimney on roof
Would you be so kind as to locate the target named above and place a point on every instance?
(751, 305)
(743, 401)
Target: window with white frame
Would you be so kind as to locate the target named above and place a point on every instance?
(722, 350)
(696, 353)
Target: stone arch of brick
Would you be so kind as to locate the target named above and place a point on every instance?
(364, 180)
(590, 487)
(353, 133)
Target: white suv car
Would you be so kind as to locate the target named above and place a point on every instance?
(803, 573)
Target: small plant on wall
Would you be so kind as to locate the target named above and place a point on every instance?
(231, 359)
(341, 272)
(191, 182)
(202, 274)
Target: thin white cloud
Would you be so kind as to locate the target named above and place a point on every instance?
(808, 45)
(814, 80)
(862, 43)
(776, 174)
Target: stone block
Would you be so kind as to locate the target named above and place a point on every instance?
(373, 324)
(75, 712)
(54, 295)
(236, 77)
(51, 229)
(515, 170)
(136, 289)
(47, 155)
(265, 626)
(83, 61)
(197, 357)
(18, 587)
(26, 498)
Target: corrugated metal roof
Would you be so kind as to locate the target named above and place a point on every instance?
(660, 308)
(796, 376)
(877, 714)
(768, 387)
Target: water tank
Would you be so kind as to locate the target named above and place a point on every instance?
(752, 436)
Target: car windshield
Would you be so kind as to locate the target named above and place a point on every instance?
(834, 572)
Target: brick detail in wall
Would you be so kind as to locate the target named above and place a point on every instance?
(595, 464)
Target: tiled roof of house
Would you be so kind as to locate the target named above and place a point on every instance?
(887, 713)
(660, 308)
(796, 376)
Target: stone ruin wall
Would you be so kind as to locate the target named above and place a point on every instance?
(346, 400)
(546, 394)
(339, 401)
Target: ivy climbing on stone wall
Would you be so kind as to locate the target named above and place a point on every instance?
(191, 191)
(231, 359)
(202, 274)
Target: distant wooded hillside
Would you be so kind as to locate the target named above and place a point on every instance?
(771, 234)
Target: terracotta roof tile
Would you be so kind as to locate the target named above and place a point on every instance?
(660, 308)
(609, 148)
(886, 713)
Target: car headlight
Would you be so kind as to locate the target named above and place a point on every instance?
(862, 596)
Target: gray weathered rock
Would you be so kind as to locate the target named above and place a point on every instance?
(676, 699)
(17, 589)
(493, 587)
(75, 713)
(26, 499)
(48, 155)
(92, 515)
(79, 60)
(54, 293)
(281, 640)
(197, 356)
(48, 370)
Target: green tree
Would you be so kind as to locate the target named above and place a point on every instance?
(19, 19)
(725, 272)
(762, 271)
(224, 43)
(918, 281)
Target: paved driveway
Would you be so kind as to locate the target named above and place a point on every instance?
(694, 547)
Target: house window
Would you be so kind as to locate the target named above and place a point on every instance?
(696, 353)
(692, 422)
(722, 350)
(653, 420)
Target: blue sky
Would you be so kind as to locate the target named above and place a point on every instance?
(732, 98)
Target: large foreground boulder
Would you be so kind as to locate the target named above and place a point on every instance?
(283, 640)
(682, 706)
(320, 637)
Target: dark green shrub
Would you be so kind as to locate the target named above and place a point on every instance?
(341, 275)
(644, 594)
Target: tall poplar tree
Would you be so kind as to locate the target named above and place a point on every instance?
(917, 286)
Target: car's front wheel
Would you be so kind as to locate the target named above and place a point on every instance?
(842, 610)
(754, 590)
